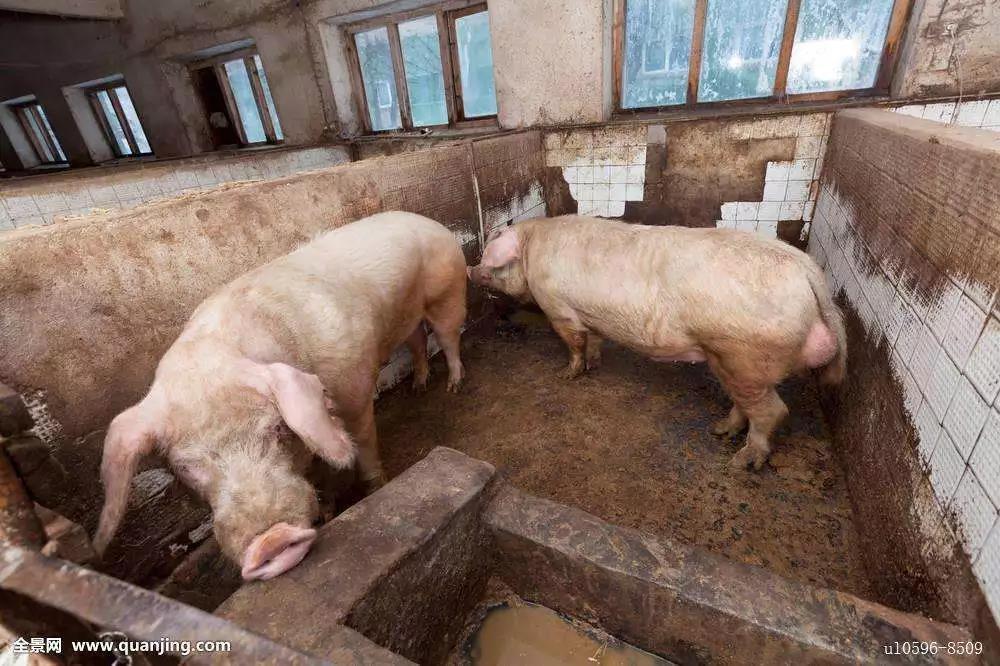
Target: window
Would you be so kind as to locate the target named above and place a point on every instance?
(36, 127)
(673, 52)
(424, 69)
(237, 100)
(116, 114)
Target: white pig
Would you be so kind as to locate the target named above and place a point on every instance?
(756, 310)
(278, 347)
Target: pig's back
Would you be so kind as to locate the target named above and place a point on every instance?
(352, 292)
(644, 286)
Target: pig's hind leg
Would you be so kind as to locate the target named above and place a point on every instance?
(732, 425)
(417, 343)
(446, 317)
(756, 401)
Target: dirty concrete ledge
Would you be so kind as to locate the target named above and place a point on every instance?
(686, 603)
(403, 567)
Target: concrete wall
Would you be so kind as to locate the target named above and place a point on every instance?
(90, 304)
(906, 227)
(48, 198)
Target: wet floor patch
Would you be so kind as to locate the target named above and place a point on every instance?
(532, 634)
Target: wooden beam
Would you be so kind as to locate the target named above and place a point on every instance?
(399, 73)
(785, 54)
(697, 43)
(893, 41)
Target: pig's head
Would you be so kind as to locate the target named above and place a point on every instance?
(228, 449)
(502, 268)
(263, 510)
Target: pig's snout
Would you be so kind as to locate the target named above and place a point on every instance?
(276, 550)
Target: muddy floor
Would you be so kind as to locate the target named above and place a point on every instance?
(629, 443)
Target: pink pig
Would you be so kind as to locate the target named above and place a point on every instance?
(756, 310)
(284, 345)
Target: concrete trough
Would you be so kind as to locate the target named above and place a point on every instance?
(408, 565)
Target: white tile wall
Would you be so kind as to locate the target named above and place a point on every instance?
(604, 167)
(789, 193)
(23, 203)
(946, 355)
(980, 113)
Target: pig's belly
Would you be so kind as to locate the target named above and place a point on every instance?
(695, 355)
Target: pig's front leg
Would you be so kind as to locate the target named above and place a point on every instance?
(362, 428)
(593, 350)
(575, 338)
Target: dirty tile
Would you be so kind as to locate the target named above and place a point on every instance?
(619, 174)
(636, 175)
(985, 460)
(940, 311)
(987, 569)
(946, 468)
(777, 171)
(983, 366)
(790, 210)
(965, 418)
(729, 210)
(769, 211)
(634, 192)
(20, 207)
(774, 191)
(992, 116)
(939, 112)
(746, 210)
(808, 147)
(796, 190)
(972, 114)
(915, 110)
(942, 384)
(801, 169)
(966, 324)
(975, 512)
(618, 192)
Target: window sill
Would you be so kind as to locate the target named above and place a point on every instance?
(739, 108)
(434, 133)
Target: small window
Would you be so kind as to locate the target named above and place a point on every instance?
(36, 127)
(673, 52)
(237, 100)
(114, 110)
(424, 69)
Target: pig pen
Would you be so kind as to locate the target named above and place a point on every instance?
(603, 498)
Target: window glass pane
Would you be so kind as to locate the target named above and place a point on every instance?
(657, 52)
(39, 133)
(268, 99)
(742, 41)
(838, 44)
(475, 59)
(52, 135)
(246, 105)
(132, 118)
(379, 78)
(421, 48)
(112, 119)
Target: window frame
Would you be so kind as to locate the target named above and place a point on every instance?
(218, 65)
(102, 119)
(446, 14)
(898, 18)
(21, 111)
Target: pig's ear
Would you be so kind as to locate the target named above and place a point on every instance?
(303, 407)
(503, 249)
(131, 436)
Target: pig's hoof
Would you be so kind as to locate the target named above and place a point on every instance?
(454, 384)
(723, 428)
(593, 363)
(374, 483)
(420, 383)
(749, 455)
(571, 372)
